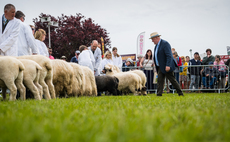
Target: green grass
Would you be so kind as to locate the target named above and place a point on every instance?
(195, 117)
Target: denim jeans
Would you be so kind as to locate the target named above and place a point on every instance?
(194, 81)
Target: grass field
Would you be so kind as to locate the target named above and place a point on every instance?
(195, 117)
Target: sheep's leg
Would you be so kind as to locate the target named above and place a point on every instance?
(45, 90)
(13, 90)
(39, 87)
(133, 90)
(51, 88)
(4, 93)
(20, 86)
(29, 84)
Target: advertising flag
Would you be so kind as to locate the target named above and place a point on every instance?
(140, 43)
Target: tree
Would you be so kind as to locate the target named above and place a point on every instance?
(72, 32)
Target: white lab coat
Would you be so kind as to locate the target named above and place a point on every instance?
(26, 41)
(97, 57)
(104, 62)
(42, 49)
(9, 38)
(86, 58)
(117, 61)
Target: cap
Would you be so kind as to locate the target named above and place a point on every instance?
(77, 52)
(196, 53)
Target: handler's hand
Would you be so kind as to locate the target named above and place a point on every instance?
(167, 68)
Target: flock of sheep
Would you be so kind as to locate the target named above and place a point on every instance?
(55, 78)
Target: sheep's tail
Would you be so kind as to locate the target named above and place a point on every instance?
(48, 65)
(21, 66)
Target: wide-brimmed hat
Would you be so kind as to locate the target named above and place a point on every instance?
(63, 57)
(129, 60)
(154, 34)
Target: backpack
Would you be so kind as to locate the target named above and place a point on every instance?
(181, 68)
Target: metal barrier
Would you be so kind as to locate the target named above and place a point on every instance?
(197, 79)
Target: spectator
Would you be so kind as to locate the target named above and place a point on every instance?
(40, 36)
(9, 31)
(108, 59)
(178, 61)
(208, 58)
(194, 71)
(211, 75)
(147, 64)
(117, 61)
(139, 57)
(26, 42)
(86, 58)
(33, 29)
(188, 74)
(75, 58)
(183, 74)
(50, 54)
(63, 58)
(222, 71)
(97, 56)
(127, 64)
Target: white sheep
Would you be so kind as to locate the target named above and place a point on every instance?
(78, 87)
(90, 83)
(46, 74)
(127, 80)
(138, 72)
(62, 76)
(11, 77)
(31, 77)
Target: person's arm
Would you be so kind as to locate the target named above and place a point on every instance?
(141, 62)
(30, 40)
(120, 63)
(205, 60)
(10, 41)
(227, 63)
(185, 66)
(92, 59)
(168, 54)
(71, 59)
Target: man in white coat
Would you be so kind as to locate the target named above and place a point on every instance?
(9, 30)
(97, 56)
(26, 41)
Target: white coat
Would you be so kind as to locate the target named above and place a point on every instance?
(8, 39)
(97, 57)
(104, 62)
(86, 58)
(42, 49)
(26, 41)
(117, 61)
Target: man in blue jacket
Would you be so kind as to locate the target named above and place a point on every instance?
(165, 64)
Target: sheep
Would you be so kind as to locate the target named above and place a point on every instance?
(62, 76)
(11, 77)
(46, 74)
(142, 76)
(78, 87)
(107, 83)
(90, 83)
(31, 77)
(127, 80)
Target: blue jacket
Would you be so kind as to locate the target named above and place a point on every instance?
(74, 59)
(194, 70)
(165, 57)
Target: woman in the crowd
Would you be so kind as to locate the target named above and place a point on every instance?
(117, 61)
(139, 57)
(40, 36)
(183, 74)
(222, 70)
(107, 60)
(147, 64)
(179, 63)
(50, 53)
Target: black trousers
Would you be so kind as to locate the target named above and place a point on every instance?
(161, 80)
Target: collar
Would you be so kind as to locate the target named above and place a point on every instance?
(4, 18)
(158, 43)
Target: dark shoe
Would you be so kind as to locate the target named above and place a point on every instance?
(159, 95)
(181, 94)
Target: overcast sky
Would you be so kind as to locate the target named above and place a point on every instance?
(185, 24)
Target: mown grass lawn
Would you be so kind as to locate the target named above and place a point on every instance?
(195, 117)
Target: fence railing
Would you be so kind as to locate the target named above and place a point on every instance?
(204, 78)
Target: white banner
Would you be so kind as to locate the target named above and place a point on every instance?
(140, 43)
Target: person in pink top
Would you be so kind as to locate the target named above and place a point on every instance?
(221, 69)
(50, 54)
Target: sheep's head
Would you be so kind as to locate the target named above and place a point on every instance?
(108, 68)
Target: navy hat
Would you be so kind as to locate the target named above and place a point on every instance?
(210, 63)
(196, 53)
